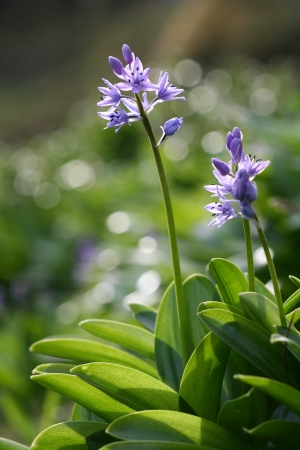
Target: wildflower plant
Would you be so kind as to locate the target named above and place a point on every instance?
(228, 381)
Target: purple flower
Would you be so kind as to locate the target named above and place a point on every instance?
(221, 166)
(116, 65)
(235, 146)
(242, 188)
(127, 54)
(221, 213)
(170, 128)
(112, 95)
(117, 117)
(167, 91)
(247, 210)
(254, 166)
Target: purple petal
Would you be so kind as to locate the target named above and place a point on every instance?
(127, 53)
(116, 65)
(221, 166)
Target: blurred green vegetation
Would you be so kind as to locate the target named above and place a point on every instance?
(82, 225)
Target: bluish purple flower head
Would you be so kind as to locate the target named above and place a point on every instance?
(170, 128)
(235, 180)
(135, 81)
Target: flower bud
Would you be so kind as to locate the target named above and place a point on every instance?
(236, 150)
(247, 210)
(221, 166)
(172, 125)
(236, 133)
(242, 188)
(127, 54)
(116, 65)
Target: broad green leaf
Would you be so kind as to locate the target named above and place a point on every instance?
(144, 314)
(178, 427)
(203, 376)
(167, 341)
(230, 280)
(291, 302)
(260, 288)
(98, 439)
(250, 340)
(243, 412)
(281, 392)
(260, 310)
(153, 445)
(282, 433)
(197, 289)
(131, 337)
(6, 444)
(80, 413)
(84, 350)
(84, 394)
(219, 305)
(131, 387)
(53, 368)
(66, 436)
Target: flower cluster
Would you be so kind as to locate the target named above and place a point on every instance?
(236, 181)
(136, 80)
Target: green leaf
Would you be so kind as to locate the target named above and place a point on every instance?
(243, 412)
(66, 436)
(251, 341)
(292, 341)
(84, 394)
(6, 444)
(153, 445)
(131, 387)
(167, 341)
(96, 440)
(230, 280)
(53, 368)
(203, 376)
(131, 337)
(260, 288)
(144, 314)
(219, 305)
(84, 350)
(281, 392)
(178, 427)
(197, 289)
(291, 302)
(282, 433)
(260, 310)
(294, 315)
(80, 413)
(295, 280)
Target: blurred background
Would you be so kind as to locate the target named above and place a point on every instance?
(82, 225)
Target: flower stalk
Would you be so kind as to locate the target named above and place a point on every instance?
(249, 252)
(272, 273)
(182, 319)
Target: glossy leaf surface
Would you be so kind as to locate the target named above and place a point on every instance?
(281, 392)
(203, 376)
(230, 280)
(84, 394)
(251, 341)
(84, 350)
(167, 341)
(153, 445)
(131, 387)
(144, 314)
(260, 310)
(291, 302)
(66, 436)
(282, 433)
(53, 368)
(129, 336)
(7, 444)
(175, 427)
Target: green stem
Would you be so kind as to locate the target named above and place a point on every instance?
(182, 319)
(249, 251)
(272, 273)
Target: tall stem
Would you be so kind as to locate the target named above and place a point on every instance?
(183, 326)
(249, 251)
(272, 273)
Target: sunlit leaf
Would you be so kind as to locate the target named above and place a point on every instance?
(282, 433)
(144, 314)
(129, 336)
(6, 444)
(291, 302)
(178, 427)
(84, 350)
(133, 388)
(53, 368)
(84, 394)
(230, 280)
(281, 392)
(153, 445)
(260, 309)
(203, 376)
